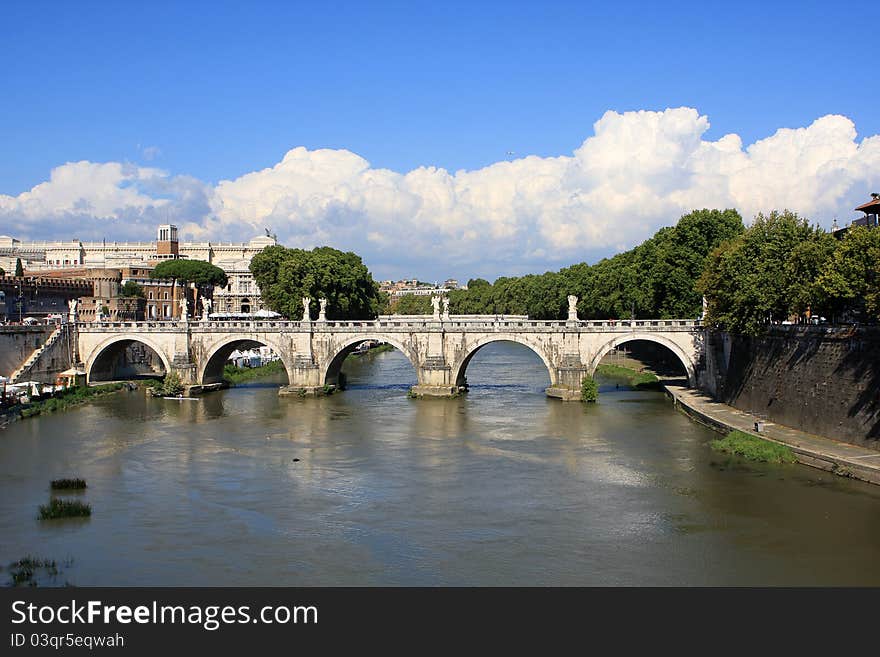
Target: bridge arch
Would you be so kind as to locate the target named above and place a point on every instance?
(211, 366)
(106, 352)
(333, 366)
(658, 338)
(459, 367)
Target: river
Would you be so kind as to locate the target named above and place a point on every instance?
(368, 487)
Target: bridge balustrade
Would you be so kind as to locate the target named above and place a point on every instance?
(429, 324)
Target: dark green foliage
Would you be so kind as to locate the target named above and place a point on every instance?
(285, 276)
(753, 448)
(2, 271)
(68, 484)
(171, 385)
(131, 289)
(19, 270)
(781, 267)
(68, 398)
(65, 509)
(413, 304)
(657, 279)
(850, 277)
(589, 390)
(202, 273)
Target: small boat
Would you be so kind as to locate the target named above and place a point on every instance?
(190, 398)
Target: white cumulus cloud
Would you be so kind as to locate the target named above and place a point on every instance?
(637, 172)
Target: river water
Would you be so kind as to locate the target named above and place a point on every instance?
(500, 487)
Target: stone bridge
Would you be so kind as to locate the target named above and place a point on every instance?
(439, 349)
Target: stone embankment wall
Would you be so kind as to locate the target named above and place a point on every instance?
(17, 343)
(821, 380)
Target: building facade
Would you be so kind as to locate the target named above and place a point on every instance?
(135, 261)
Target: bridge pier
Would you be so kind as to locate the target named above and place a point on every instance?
(304, 379)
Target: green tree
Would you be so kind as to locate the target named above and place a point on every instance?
(413, 304)
(747, 281)
(19, 270)
(286, 275)
(131, 289)
(850, 279)
(202, 273)
(198, 272)
(2, 271)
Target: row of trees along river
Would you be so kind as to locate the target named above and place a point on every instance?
(777, 268)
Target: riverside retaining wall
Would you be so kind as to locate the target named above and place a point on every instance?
(17, 343)
(816, 379)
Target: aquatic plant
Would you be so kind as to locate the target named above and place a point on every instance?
(64, 509)
(64, 484)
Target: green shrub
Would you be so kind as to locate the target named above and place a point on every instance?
(171, 385)
(64, 509)
(753, 448)
(589, 390)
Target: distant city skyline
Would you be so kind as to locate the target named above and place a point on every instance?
(454, 141)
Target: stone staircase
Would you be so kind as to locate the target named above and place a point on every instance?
(28, 364)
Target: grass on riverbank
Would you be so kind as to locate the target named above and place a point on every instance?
(753, 448)
(234, 375)
(68, 398)
(633, 378)
(65, 509)
(68, 484)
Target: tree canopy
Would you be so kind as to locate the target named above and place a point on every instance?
(656, 279)
(287, 275)
(19, 270)
(191, 271)
(413, 304)
(131, 289)
(781, 268)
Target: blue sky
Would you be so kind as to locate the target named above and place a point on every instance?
(214, 91)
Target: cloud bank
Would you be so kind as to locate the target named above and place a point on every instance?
(639, 171)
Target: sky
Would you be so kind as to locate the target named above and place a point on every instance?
(433, 139)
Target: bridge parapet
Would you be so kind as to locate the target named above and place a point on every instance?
(270, 326)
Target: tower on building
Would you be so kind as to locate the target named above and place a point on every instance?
(166, 241)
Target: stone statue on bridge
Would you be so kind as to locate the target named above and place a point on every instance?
(572, 308)
(183, 314)
(322, 313)
(71, 314)
(435, 301)
(445, 309)
(306, 303)
(206, 308)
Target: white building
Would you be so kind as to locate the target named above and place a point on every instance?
(240, 295)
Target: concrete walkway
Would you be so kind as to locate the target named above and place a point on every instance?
(816, 451)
